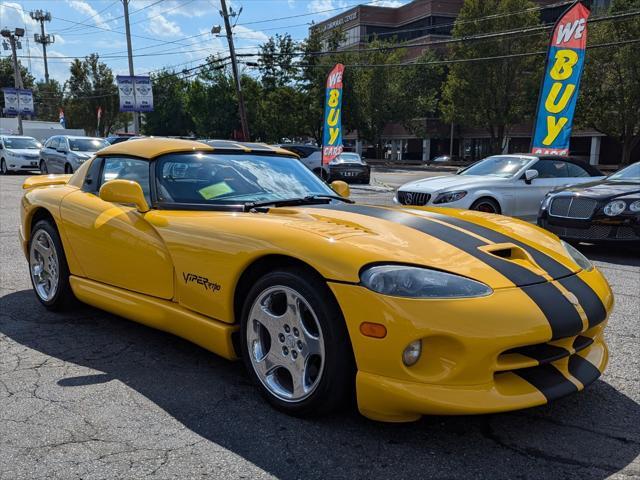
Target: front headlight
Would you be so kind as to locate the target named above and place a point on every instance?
(614, 208)
(448, 197)
(415, 282)
(635, 206)
(582, 261)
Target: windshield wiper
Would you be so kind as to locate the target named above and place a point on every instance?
(289, 202)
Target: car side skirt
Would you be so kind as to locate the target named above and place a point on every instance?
(157, 313)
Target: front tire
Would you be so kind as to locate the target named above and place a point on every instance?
(68, 168)
(486, 204)
(43, 167)
(48, 267)
(3, 167)
(295, 344)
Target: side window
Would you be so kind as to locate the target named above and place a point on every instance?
(127, 169)
(53, 143)
(576, 170)
(551, 169)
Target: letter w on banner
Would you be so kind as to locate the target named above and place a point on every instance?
(332, 131)
(561, 83)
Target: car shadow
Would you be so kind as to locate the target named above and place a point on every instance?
(592, 434)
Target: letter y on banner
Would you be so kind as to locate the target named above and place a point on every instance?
(332, 131)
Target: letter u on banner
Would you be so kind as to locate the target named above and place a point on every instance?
(561, 83)
(332, 130)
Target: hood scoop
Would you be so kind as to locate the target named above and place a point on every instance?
(513, 253)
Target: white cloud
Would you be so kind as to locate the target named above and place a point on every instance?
(248, 34)
(12, 16)
(390, 3)
(161, 26)
(90, 13)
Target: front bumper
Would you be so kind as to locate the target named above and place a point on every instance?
(350, 172)
(479, 355)
(17, 164)
(598, 228)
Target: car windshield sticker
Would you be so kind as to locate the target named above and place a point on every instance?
(215, 190)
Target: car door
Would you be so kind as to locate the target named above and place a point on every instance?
(49, 153)
(114, 243)
(552, 174)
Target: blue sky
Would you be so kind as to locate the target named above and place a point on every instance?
(165, 33)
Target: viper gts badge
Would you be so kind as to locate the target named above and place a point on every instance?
(204, 281)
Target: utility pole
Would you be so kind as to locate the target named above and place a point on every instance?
(136, 115)
(12, 36)
(234, 67)
(41, 16)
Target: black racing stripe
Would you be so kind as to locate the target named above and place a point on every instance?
(542, 352)
(583, 370)
(563, 317)
(554, 268)
(581, 342)
(560, 313)
(549, 380)
(589, 300)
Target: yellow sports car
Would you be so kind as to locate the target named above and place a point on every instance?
(243, 251)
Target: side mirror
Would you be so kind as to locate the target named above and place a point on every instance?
(341, 188)
(530, 175)
(124, 191)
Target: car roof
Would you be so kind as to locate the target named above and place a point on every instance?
(17, 136)
(150, 148)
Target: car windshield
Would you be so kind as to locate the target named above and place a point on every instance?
(212, 179)
(503, 167)
(87, 144)
(629, 174)
(348, 158)
(26, 143)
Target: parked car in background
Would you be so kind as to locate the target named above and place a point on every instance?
(310, 156)
(64, 153)
(120, 137)
(349, 167)
(18, 153)
(607, 210)
(512, 185)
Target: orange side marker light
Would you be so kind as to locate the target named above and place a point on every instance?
(375, 330)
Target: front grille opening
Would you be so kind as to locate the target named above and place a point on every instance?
(541, 353)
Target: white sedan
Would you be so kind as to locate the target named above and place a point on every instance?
(512, 185)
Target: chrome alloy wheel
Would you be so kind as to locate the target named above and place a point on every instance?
(44, 265)
(285, 343)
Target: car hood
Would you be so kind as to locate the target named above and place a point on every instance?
(27, 152)
(339, 240)
(450, 182)
(604, 189)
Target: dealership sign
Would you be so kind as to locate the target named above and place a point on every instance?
(332, 131)
(136, 94)
(18, 101)
(561, 83)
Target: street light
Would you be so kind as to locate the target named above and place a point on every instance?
(216, 29)
(19, 32)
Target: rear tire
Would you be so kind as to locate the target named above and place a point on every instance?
(295, 344)
(487, 205)
(48, 268)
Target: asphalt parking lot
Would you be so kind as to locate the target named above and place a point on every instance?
(89, 395)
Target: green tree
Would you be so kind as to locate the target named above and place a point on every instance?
(610, 93)
(277, 62)
(212, 103)
(375, 93)
(90, 86)
(494, 94)
(170, 114)
(48, 99)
